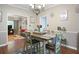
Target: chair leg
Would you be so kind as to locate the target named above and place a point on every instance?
(44, 50)
(48, 51)
(33, 48)
(30, 49)
(39, 47)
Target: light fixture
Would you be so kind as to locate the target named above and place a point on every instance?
(37, 8)
(63, 15)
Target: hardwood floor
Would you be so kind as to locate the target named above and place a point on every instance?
(65, 50)
(3, 49)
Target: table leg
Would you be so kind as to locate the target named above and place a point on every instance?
(44, 48)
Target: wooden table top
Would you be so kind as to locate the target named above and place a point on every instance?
(14, 37)
(45, 36)
(42, 35)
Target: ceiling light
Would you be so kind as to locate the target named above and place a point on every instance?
(37, 8)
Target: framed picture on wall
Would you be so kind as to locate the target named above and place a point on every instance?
(0, 16)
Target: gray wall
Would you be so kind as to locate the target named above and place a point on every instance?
(3, 25)
(71, 24)
(72, 39)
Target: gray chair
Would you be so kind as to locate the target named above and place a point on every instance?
(55, 46)
(31, 44)
(27, 43)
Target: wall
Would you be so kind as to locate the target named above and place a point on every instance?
(11, 11)
(3, 26)
(71, 24)
(55, 20)
(14, 11)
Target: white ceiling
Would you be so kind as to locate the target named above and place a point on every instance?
(22, 6)
(28, 7)
(25, 6)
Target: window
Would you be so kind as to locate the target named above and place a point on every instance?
(43, 22)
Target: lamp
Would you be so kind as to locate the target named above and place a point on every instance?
(37, 8)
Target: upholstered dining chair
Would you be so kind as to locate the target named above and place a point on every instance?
(30, 43)
(55, 45)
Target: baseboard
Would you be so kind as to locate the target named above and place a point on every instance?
(69, 46)
(3, 45)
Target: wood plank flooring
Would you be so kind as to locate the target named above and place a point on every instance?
(65, 50)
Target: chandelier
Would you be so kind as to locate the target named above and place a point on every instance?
(37, 8)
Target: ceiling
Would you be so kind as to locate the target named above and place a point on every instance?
(28, 7)
(25, 6)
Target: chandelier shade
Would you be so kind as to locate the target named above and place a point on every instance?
(37, 8)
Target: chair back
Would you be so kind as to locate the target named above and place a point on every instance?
(58, 43)
(26, 35)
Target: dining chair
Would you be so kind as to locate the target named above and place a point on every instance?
(55, 45)
(30, 43)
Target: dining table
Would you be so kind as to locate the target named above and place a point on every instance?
(43, 37)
